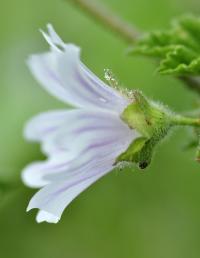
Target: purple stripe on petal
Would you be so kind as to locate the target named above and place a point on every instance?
(92, 128)
(83, 152)
(97, 158)
(53, 195)
(55, 78)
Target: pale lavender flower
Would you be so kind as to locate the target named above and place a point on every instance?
(81, 144)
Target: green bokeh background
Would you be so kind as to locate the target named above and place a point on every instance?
(154, 214)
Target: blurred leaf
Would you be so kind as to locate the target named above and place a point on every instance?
(7, 188)
(190, 145)
(176, 49)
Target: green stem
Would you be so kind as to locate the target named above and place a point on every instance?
(111, 21)
(187, 121)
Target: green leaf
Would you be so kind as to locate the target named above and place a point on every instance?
(177, 49)
(7, 188)
(191, 144)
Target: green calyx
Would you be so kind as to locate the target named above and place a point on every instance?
(146, 116)
(153, 122)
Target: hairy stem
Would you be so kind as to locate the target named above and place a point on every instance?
(187, 121)
(125, 30)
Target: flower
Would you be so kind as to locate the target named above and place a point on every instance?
(82, 143)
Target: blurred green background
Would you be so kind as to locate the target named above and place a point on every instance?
(154, 214)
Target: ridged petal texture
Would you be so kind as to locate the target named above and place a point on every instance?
(82, 143)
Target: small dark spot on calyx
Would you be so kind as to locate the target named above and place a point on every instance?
(143, 165)
(147, 121)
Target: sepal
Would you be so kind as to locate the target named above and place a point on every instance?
(152, 121)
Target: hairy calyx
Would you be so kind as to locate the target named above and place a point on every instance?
(153, 121)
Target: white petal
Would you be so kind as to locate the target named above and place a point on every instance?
(51, 127)
(80, 174)
(83, 128)
(64, 76)
(54, 198)
(88, 149)
(44, 124)
(53, 39)
(65, 165)
(34, 174)
(46, 216)
(87, 138)
(81, 144)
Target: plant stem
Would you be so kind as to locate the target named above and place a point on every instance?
(191, 82)
(108, 19)
(181, 120)
(125, 30)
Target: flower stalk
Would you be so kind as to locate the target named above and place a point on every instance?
(110, 20)
(185, 121)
